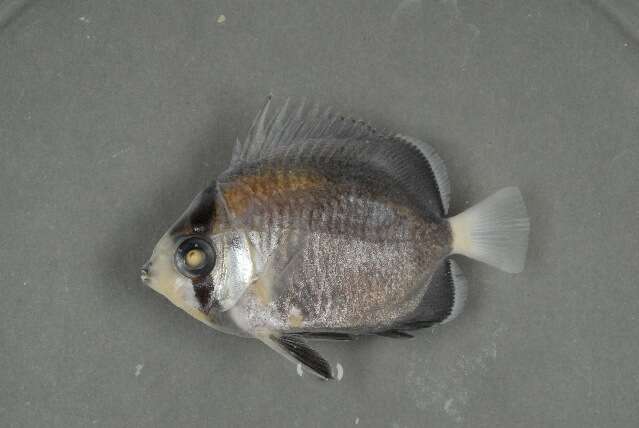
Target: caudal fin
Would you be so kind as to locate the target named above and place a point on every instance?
(495, 231)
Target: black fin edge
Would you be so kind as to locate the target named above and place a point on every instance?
(324, 336)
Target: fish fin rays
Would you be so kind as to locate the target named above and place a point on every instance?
(437, 168)
(455, 276)
(295, 349)
(445, 294)
(443, 300)
(494, 231)
(294, 122)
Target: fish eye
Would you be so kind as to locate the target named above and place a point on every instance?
(195, 257)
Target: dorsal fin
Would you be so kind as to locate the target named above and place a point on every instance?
(436, 166)
(313, 136)
(419, 169)
(296, 122)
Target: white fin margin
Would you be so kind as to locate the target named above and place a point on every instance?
(437, 166)
(495, 231)
(460, 285)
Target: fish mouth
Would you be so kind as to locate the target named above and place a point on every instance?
(145, 274)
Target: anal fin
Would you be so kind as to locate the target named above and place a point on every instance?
(324, 336)
(460, 289)
(443, 300)
(295, 349)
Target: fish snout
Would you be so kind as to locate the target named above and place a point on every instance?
(145, 272)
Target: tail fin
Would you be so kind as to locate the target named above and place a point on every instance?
(495, 231)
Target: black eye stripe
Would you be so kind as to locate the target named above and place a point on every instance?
(183, 249)
(204, 212)
(200, 215)
(202, 287)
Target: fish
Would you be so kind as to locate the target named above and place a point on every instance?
(323, 228)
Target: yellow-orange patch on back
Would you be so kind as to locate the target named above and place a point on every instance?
(240, 193)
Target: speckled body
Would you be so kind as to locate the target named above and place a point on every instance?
(347, 284)
(362, 250)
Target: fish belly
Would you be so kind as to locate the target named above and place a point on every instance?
(341, 283)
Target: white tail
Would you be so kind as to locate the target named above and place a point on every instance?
(495, 231)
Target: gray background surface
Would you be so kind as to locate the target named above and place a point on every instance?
(114, 114)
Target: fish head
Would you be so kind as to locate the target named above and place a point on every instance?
(200, 265)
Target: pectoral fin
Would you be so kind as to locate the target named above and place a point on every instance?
(295, 349)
